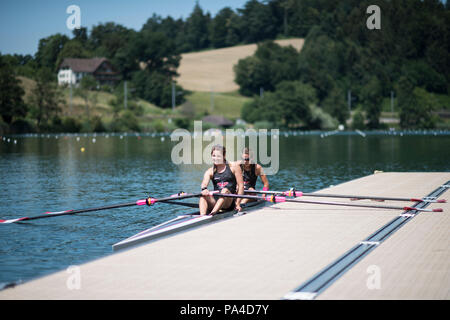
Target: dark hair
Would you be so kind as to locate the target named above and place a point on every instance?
(246, 150)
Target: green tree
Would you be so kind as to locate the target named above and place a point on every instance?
(371, 99)
(126, 58)
(117, 102)
(11, 97)
(234, 34)
(320, 62)
(169, 26)
(156, 88)
(289, 105)
(49, 49)
(23, 65)
(294, 100)
(160, 60)
(251, 75)
(341, 53)
(27, 66)
(46, 98)
(282, 10)
(107, 39)
(258, 22)
(80, 35)
(302, 16)
(358, 121)
(417, 112)
(270, 65)
(157, 52)
(335, 104)
(260, 109)
(220, 28)
(73, 49)
(423, 75)
(197, 29)
(85, 91)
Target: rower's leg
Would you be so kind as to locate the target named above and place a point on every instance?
(206, 203)
(249, 200)
(222, 202)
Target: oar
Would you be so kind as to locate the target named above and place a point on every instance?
(149, 201)
(293, 193)
(274, 198)
(185, 204)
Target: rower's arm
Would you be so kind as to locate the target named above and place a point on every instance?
(239, 182)
(260, 172)
(206, 178)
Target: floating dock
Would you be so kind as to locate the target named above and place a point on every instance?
(284, 251)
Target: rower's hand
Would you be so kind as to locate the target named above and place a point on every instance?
(238, 207)
(205, 192)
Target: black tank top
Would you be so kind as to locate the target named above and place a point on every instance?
(226, 179)
(250, 177)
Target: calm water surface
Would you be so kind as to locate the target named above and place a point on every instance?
(50, 173)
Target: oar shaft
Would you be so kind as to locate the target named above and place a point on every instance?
(366, 197)
(148, 201)
(185, 204)
(346, 204)
(325, 195)
(284, 199)
(67, 212)
(179, 197)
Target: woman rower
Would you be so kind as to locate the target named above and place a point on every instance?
(251, 171)
(226, 179)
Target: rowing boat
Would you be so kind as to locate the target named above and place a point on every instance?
(182, 223)
(194, 219)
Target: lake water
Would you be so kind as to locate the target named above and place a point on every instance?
(41, 173)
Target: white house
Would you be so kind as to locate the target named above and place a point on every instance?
(72, 70)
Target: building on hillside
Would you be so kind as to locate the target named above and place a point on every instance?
(72, 70)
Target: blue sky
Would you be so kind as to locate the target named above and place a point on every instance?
(24, 22)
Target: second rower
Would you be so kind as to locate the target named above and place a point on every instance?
(251, 171)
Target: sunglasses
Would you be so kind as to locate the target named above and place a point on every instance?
(246, 159)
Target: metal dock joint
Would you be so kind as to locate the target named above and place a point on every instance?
(370, 243)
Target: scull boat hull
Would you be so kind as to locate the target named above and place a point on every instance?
(178, 224)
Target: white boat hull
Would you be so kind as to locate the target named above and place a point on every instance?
(176, 225)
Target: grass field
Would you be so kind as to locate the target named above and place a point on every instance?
(99, 104)
(227, 104)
